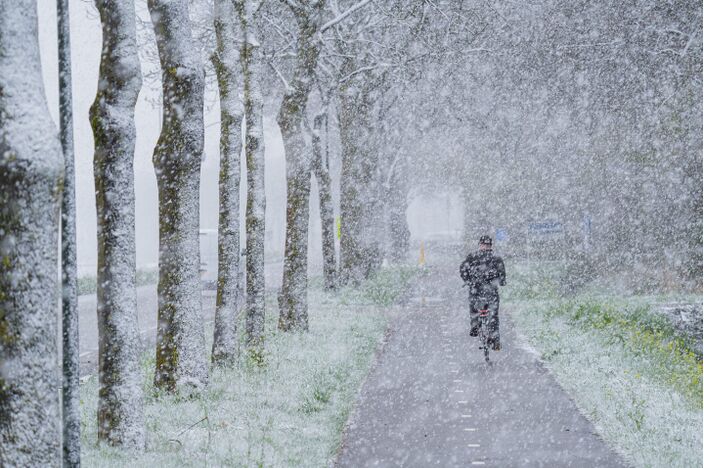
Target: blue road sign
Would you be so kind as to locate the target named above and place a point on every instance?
(546, 227)
(587, 224)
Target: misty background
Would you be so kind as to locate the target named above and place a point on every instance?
(550, 133)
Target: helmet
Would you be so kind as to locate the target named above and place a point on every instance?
(485, 240)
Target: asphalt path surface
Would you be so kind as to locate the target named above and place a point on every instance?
(431, 400)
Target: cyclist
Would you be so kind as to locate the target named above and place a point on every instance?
(484, 272)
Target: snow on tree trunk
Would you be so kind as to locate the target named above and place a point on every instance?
(69, 326)
(293, 303)
(120, 408)
(181, 363)
(293, 298)
(31, 172)
(228, 301)
(321, 170)
(395, 200)
(252, 62)
(360, 251)
(399, 233)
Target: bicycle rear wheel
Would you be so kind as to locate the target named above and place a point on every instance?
(484, 331)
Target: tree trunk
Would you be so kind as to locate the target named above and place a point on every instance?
(181, 363)
(321, 170)
(360, 249)
(395, 205)
(120, 411)
(252, 62)
(228, 301)
(31, 172)
(293, 300)
(69, 327)
(350, 204)
(398, 226)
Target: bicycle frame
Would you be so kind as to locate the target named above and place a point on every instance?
(484, 332)
(483, 329)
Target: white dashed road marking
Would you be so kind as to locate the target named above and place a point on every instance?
(473, 445)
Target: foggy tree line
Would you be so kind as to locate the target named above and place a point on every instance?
(578, 112)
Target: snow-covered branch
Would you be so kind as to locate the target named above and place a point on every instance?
(343, 15)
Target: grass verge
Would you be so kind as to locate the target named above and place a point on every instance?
(631, 375)
(288, 407)
(384, 288)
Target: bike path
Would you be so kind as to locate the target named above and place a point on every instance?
(431, 400)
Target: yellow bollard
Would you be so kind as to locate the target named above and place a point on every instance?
(421, 260)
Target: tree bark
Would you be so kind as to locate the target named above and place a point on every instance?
(228, 301)
(252, 62)
(293, 299)
(181, 363)
(69, 327)
(120, 407)
(396, 203)
(360, 249)
(321, 171)
(31, 173)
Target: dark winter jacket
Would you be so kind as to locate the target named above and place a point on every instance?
(483, 272)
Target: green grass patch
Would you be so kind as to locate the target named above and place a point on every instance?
(387, 286)
(86, 285)
(646, 336)
(627, 370)
(384, 288)
(531, 281)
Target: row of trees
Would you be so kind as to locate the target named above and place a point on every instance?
(334, 63)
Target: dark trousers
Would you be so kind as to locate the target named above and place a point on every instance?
(492, 305)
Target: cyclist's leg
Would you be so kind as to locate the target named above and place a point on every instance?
(473, 318)
(494, 337)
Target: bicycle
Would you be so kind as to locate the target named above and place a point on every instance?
(484, 331)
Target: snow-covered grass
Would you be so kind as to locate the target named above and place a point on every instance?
(384, 288)
(285, 408)
(626, 367)
(532, 280)
(628, 372)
